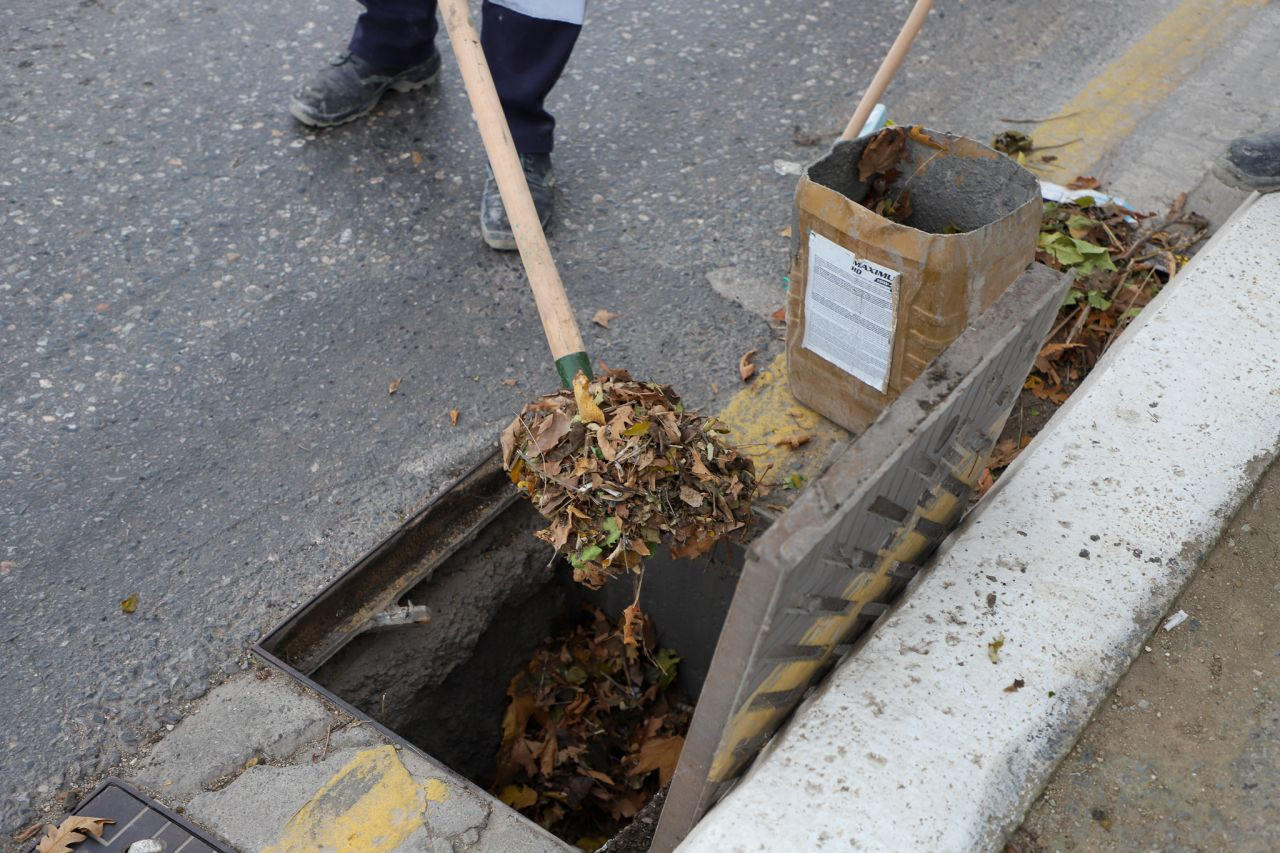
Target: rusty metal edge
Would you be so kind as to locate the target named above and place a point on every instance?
(273, 640)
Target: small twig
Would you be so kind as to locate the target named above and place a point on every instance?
(327, 733)
(1055, 145)
(1075, 330)
(904, 185)
(1049, 337)
(1038, 120)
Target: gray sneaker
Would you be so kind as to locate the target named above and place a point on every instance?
(349, 87)
(494, 226)
(1251, 163)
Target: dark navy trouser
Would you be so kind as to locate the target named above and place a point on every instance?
(526, 56)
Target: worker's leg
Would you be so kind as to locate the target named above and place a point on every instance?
(395, 34)
(527, 44)
(1252, 163)
(393, 47)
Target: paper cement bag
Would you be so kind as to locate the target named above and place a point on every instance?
(873, 301)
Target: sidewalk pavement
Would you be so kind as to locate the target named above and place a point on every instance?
(1185, 755)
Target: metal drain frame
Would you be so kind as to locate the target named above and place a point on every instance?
(457, 514)
(84, 807)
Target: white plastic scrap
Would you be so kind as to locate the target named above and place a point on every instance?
(1175, 620)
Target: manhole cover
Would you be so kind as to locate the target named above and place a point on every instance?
(138, 817)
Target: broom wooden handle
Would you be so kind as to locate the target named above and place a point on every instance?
(557, 317)
(887, 68)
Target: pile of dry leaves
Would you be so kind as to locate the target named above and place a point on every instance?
(617, 465)
(1121, 259)
(593, 730)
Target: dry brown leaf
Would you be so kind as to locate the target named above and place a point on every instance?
(232, 257)
(661, 754)
(985, 482)
(779, 316)
(1007, 451)
(72, 830)
(794, 441)
(588, 409)
(745, 368)
(597, 775)
(548, 431)
(632, 624)
(393, 386)
(603, 316)
(785, 232)
(416, 157)
(1017, 685)
(1083, 183)
(508, 442)
(693, 547)
(691, 496)
(517, 716)
(883, 151)
(509, 382)
(453, 417)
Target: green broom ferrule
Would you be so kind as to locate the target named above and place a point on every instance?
(569, 365)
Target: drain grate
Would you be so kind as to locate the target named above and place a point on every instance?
(137, 817)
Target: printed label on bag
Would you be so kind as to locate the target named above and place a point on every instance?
(849, 311)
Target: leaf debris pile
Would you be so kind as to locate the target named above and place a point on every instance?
(1121, 259)
(617, 465)
(881, 165)
(879, 168)
(593, 728)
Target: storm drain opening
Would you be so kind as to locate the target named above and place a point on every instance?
(425, 634)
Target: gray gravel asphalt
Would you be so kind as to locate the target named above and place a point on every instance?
(202, 303)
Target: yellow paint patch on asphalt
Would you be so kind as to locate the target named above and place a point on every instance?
(1109, 107)
(437, 791)
(762, 412)
(371, 805)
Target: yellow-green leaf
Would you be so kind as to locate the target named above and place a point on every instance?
(518, 796)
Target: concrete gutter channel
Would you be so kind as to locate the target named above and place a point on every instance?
(913, 741)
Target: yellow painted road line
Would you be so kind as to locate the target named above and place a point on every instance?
(1111, 105)
(761, 413)
(371, 805)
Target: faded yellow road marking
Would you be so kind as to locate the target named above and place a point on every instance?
(1111, 105)
(371, 805)
(764, 411)
(437, 791)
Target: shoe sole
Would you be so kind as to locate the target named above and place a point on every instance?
(299, 111)
(502, 244)
(1226, 172)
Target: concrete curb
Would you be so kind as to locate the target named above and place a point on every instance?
(923, 738)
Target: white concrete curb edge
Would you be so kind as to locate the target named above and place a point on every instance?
(913, 743)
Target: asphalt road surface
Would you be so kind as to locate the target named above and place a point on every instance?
(202, 304)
